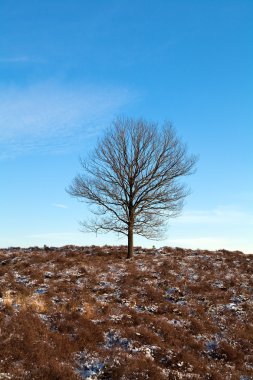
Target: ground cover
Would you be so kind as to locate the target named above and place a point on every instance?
(88, 313)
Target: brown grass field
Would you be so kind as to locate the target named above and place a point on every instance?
(88, 313)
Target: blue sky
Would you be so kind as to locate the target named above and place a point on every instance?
(68, 67)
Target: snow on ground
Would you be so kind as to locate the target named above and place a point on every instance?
(88, 313)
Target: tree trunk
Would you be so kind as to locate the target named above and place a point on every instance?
(130, 248)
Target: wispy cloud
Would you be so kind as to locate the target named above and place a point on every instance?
(51, 116)
(59, 205)
(225, 215)
(226, 227)
(19, 59)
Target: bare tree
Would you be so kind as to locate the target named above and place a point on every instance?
(132, 179)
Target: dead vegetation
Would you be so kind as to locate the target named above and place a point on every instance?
(87, 313)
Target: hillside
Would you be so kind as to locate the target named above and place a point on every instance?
(87, 313)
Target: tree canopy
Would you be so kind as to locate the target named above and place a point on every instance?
(132, 177)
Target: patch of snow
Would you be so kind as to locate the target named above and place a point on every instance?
(89, 368)
(174, 295)
(5, 376)
(21, 279)
(176, 322)
(143, 308)
(44, 317)
(233, 306)
(41, 290)
(116, 317)
(113, 340)
(238, 299)
(219, 284)
(211, 346)
(48, 274)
